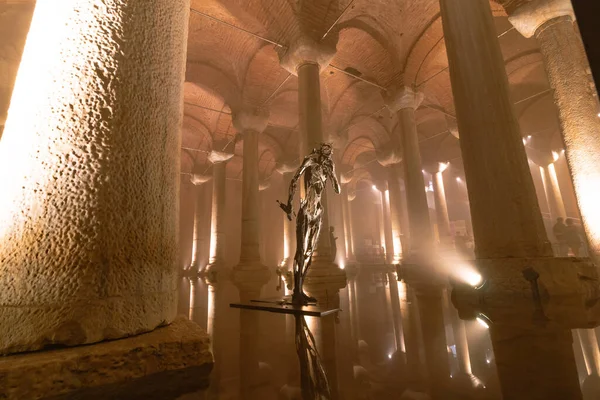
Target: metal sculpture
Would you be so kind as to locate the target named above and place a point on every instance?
(317, 167)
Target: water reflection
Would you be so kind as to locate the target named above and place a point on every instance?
(392, 340)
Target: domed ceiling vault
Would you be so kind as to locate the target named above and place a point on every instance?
(233, 63)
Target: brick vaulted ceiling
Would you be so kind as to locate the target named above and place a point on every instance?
(385, 42)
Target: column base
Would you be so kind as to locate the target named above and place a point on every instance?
(250, 276)
(324, 281)
(563, 291)
(165, 363)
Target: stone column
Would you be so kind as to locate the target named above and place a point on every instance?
(404, 102)
(89, 165)
(549, 353)
(441, 206)
(501, 191)
(218, 233)
(199, 235)
(289, 228)
(396, 212)
(588, 341)
(396, 314)
(348, 233)
(551, 22)
(306, 58)
(387, 226)
(553, 195)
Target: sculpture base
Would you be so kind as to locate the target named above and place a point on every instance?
(284, 306)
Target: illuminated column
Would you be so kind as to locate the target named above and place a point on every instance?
(250, 275)
(306, 59)
(553, 195)
(404, 103)
(461, 344)
(501, 191)
(551, 22)
(250, 123)
(441, 206)
(396, 211)
(217, 222)
(199, 219)
(387, 226)
(348, 232)
(14, 19)
(195, 301)
(289, 232)
(89, 165)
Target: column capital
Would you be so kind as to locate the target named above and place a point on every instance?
(198, 178)
(216, 156)
(250, 119)
(529, 17)
(389, 155)
(305, 50)
(287, 166)
(397, 99)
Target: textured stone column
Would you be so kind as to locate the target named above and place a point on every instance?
(441, 207)
(387, 226)
(218, 233)
(306, 58)
(89, 165)
(551, 22)
(553, 195)
(501, 191)
(396, 212)
(404, 102)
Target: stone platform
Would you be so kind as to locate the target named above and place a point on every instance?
(162, 364)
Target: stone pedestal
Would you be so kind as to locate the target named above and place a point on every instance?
(90, 174)
(165, 363)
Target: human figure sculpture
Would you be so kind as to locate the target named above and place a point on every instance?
(317, 167)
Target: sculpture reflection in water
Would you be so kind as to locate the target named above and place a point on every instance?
(313, 380)
(317, 167)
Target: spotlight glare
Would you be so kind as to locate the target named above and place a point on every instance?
(555, 155)
(390, 356)
(483, 323)
(458, 179)
(374, 187)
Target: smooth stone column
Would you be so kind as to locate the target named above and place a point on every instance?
(15, 19)
(89, 165)
(348, 226)
(535, 363)
(250, 123)
(218, 233)
(396, 314)
(306, 59)
(501, 191)
(387, 226)
(404, 102)
(553, 195)
(199, 235)
(289, 228)
(396, 212)
(441, 207)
